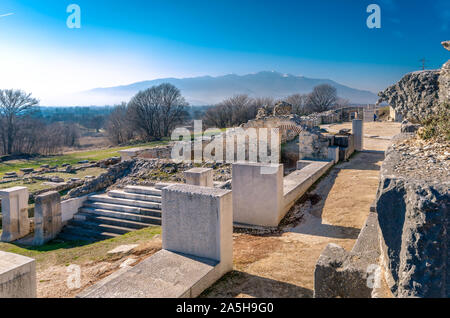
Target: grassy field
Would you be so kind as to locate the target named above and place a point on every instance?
(37, 185)
(64, 253)
(70, 158)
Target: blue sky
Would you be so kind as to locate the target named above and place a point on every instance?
(121, 42)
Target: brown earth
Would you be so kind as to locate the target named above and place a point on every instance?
(53, 279)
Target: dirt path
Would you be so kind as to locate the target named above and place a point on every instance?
(282, 264)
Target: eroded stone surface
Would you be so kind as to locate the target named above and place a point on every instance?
(412, 204)
(415, 96)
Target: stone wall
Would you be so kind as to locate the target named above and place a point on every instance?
(412, 203)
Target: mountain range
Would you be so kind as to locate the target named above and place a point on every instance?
(208, 90)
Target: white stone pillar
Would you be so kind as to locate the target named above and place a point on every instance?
(47, 217)
(358, 132)
(15, 221)
(17, 276)
(257, 193)
(200, 177)
(198, 221)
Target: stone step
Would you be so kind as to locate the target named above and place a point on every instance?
(87, 234)
(122, 215)
(100, 227)
(107, 199)
(143, 190)
(122, 208)
(134, 196)
(111, 221)
(161, 185)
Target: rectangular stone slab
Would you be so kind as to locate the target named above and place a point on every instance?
(163, 275)
(17, 276)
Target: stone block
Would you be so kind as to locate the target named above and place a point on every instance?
(163, 275)
(198, 221)
(70, 207)
(257, 193)
(298, 182)
(333, 154)
(200, 177)
(47, 217)
(17, 276)
(355, 274)
(16, 223)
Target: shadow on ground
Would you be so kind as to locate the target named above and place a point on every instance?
(312, 222)
(240, 284)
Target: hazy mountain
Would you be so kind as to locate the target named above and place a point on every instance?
(207, 90)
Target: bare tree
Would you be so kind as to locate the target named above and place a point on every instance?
(156, 111)
(298, 102)
(342, 102)
(14, 104)
(172, 109)
(231, 112)
(268, 103)
(322, 98)
(118, 127)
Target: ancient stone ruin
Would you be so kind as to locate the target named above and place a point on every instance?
(407, 233)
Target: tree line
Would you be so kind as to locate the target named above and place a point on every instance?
(26, 128)
(242, 108)
(150, 115)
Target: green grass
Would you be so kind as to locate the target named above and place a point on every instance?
(39, 185)
(60, 253)
(70, 158)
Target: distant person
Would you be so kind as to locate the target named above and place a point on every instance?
(374, 117)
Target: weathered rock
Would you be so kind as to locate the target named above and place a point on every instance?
(413, 217)
(261, 113)
(446, 45)
(415, 96)
(444, 84)
(336, 277)
(355, 274)
(123, 249)
(104, 180)
(108, 162)
(408, 127)
(282, 109)
(27, 170)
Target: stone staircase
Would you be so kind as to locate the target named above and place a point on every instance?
(117, 212)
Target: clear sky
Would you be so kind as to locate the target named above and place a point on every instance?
(121, 42)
